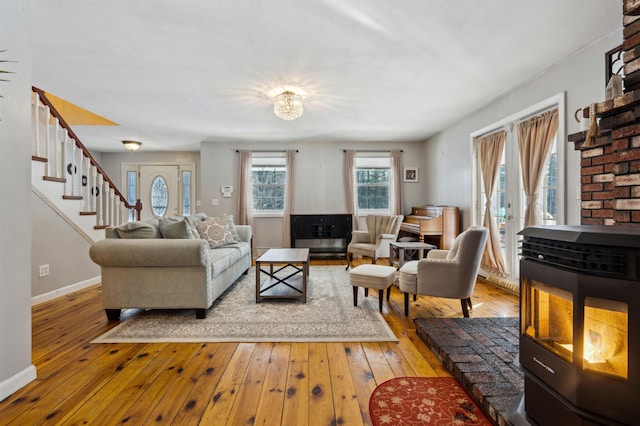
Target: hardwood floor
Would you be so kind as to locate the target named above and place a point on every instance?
(219, 383)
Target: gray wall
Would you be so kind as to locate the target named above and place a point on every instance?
(56, 243)
(448, 154)
(15, 189)
(318, 174)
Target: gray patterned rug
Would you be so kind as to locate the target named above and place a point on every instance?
(328, 316)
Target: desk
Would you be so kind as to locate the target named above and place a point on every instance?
(397, 251)
(288, 284)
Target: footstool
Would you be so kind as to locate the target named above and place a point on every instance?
(372, 276)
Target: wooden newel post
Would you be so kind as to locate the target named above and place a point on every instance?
(138, 208)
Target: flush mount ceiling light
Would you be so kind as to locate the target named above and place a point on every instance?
(132, 145)
(287, 105)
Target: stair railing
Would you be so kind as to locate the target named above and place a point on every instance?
(68, 161)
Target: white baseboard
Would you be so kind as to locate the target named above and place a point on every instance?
(64, 290)
(18, 381)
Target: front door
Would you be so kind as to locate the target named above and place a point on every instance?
(159, 191)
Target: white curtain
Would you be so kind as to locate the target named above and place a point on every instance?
(288, 199)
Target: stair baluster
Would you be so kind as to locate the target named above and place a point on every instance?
(69, 162)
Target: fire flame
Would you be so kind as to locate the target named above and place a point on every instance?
(593, 347)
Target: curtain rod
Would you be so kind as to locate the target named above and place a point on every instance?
(371, 150)
(267, 150)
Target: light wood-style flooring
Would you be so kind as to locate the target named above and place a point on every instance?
(219, 383)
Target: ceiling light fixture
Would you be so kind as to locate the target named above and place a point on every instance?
(132, 145)
(287, 105)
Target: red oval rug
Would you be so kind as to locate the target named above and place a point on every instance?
(423, 401)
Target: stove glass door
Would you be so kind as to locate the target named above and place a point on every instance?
(547, 315)
(606, 337)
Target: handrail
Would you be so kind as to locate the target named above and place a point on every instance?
(43, 98)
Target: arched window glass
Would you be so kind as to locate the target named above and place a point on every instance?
(159, 196)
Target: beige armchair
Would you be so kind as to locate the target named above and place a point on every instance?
(447, 273)
(374, 242)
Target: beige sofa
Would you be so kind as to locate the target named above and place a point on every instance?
(141, 269)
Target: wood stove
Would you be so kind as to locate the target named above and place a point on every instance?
(580, 324)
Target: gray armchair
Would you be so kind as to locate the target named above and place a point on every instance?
(374, 242)
(447, 273)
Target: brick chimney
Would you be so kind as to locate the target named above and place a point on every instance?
(610, 168)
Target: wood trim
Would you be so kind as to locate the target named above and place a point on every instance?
(54, 179)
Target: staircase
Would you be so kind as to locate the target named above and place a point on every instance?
(67, 177)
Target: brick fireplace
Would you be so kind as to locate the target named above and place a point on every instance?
(580, 285)
(610, 169)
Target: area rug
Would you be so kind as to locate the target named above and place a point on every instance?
(328, 316)
(423, 401)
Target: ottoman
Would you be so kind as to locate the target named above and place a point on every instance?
(372, 276)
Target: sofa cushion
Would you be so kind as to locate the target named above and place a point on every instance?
(175, 229)
(222, 258)
(215, 230)
(138, 230)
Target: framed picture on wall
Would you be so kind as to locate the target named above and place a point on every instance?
(410, 174)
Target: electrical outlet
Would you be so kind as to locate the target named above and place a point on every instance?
(43, 270)
(215, 202)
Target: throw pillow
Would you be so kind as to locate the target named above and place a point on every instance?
(198, 217)
(138, 230)
(192, 228)
(215, 230)
(232, 227)
(175, 229)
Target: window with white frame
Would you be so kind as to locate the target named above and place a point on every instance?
(186, 192)
(132, 193)
(268, 179)
(373, 178)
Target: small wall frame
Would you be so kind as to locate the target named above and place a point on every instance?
(410, 174)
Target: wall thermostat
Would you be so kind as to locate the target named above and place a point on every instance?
(226, 190)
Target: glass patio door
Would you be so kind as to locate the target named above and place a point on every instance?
(508, 200)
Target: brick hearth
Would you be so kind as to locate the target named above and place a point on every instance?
(480, 354)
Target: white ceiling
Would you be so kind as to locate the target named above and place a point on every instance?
(176, 73)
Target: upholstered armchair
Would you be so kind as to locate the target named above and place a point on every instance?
(374, 242)
(447, 273)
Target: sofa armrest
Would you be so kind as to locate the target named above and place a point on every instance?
(112, 252)
(244, 232)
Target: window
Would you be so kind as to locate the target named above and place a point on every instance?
(159, 196)
(373, 177)
(132, 193)
(186, 193)
(268, 178)
(550, 187)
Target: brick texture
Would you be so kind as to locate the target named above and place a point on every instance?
(610, 168)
